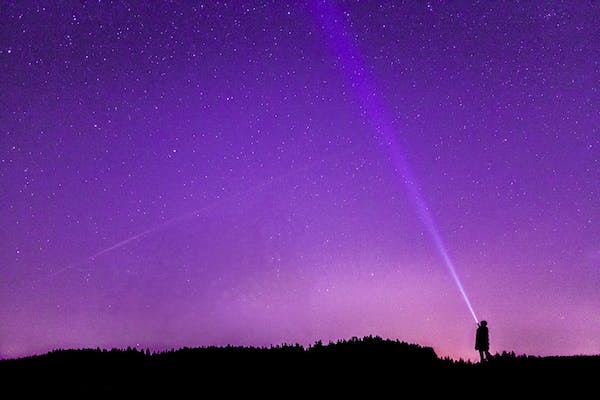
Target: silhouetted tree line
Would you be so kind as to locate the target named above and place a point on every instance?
(345, 366)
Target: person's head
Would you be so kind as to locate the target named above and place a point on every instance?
(483, 323)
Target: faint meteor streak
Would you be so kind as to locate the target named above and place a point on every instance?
(357, 73)
(192, 214)
(129, 240)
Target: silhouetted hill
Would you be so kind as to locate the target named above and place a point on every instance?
(370, 363)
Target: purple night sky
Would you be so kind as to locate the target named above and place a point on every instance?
(187, 174)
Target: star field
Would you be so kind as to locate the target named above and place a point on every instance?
(204, 173)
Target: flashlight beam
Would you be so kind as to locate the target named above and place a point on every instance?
(357, 73)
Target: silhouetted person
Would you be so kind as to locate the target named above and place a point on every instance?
(482, 341)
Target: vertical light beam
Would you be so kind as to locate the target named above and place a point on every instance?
(333, 25)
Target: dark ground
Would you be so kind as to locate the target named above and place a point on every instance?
(368, 367)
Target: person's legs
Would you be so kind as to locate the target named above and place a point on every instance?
(481, 355)
(487, 355)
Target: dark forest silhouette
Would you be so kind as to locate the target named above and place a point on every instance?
(370, 363)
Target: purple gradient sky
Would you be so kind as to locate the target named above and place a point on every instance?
(227, 153)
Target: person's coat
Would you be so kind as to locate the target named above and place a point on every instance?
(482, 339)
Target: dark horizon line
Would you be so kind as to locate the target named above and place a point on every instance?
(146, 350)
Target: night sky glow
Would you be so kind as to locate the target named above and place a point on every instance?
(187, 174)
